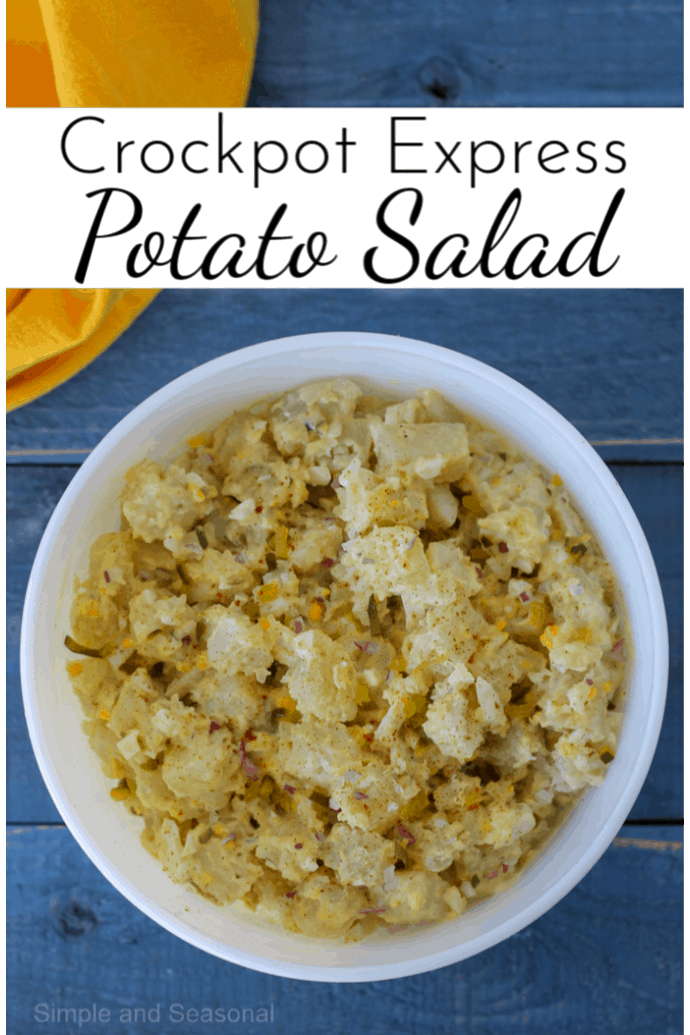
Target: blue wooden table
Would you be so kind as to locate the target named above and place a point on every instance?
(606, 958)
(447, 53)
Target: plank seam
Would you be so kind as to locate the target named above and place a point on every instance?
(48, 452)
(675, 822)
(635, 441)
(636, 842)
(592, 442)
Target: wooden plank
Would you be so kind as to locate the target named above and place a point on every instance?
(610, 361)
(607, 957)
(32, 495)
(655, 493)
(579, 53)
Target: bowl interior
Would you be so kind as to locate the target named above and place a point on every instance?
(200, 400)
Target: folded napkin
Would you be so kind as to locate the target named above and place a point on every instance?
(110, 53)
(52, 333)
(130, 53)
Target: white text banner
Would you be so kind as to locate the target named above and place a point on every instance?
(345, 198)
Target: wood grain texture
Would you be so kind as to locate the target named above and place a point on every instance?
(655, 493)
(607, 958)
(609, 361)
(32, 495)
(330, 53)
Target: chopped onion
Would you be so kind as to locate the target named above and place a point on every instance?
(319, 837)
(327, 562)
(298, 627)
(106, 576)
(186, 640)
(290, 894)
(479, 573)
(288, 788)
(406, 835)
(360, 796)
(617, 651)
(490, 876)
(299, 845)
(503, 547)
(333, 805)
(523, 826)
(524, 597)
(367, 646)
(240, 559)
(250, 769)
(589, 682)
(230, 837)
(336, 482)
(390, 881)
(213, 726)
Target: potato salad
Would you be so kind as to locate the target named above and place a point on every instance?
(350, 659)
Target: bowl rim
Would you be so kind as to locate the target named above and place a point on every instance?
(610, 825)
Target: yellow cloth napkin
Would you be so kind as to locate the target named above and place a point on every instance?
(29, 70)
(53, 333)
(110, 53)
(130, 53)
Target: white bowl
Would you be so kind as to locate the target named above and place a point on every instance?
(199, 400)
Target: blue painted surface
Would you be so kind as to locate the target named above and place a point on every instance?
(609, 361)
(449, 53)
(606, 958)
